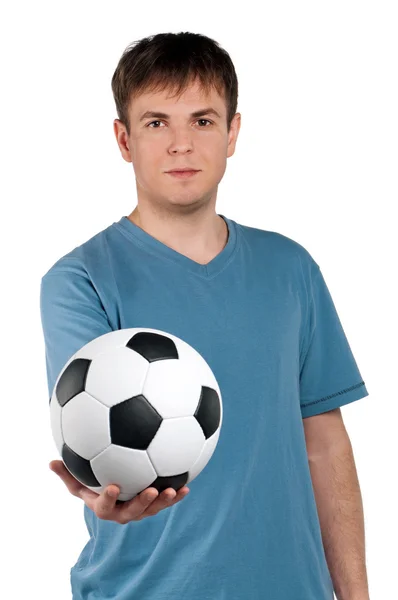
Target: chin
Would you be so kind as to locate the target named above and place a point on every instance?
(185, 200)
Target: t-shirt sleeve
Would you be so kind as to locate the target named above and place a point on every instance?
(71, 316)
(329, 374)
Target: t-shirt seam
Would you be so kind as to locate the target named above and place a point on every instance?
(56, 269)
(304, 284)
(60, 271)
(86, 277)
(117, 292)
(333, 395)
(175, 262)
(310, 303)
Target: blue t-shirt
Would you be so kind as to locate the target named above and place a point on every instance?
(261, 315)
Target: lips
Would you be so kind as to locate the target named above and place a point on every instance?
(183, 171)
(182, 174)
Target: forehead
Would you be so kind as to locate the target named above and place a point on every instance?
(194, 97)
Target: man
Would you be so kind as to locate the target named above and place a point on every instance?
(276, 514)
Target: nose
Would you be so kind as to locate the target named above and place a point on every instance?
(181, 143)
(181, 150)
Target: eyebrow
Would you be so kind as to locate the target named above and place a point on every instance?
(198, 113)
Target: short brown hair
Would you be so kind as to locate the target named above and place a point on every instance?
(172, 61)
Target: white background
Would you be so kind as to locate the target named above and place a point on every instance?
(316, 160)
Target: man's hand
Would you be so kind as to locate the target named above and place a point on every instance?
(147, 504)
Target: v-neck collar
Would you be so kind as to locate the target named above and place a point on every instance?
(152, 244)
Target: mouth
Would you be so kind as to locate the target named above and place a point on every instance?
(182, 174)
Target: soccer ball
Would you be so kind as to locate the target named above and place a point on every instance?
(137, 408)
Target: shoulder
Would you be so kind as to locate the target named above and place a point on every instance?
(282, 248)
(83, 259)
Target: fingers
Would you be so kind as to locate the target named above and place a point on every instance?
(164, 500)
(134, 508)
(105, 503)
(167, 498)
(148, 503)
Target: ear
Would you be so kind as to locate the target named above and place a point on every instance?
(122, 139)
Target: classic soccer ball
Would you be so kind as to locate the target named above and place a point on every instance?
(137, 408)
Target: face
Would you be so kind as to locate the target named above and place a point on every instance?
(159, 143)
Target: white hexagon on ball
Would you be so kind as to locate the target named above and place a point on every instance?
(108, 376)
(179, 393)
(101, 344)
(176, 446)
(130, 469)
(204, 457)
(85, 425)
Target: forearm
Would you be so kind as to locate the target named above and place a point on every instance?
(340, 510)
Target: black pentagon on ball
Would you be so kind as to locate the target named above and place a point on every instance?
(72, 380)
(174, 481)
(162, 483)
(134, 423)
(79, 467)
(153, 346)
(208, 412)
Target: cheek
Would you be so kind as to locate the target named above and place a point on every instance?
(214, 148)
(217, 158)
(149, 156)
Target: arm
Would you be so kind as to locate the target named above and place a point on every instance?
(339, 503)
(72, 314)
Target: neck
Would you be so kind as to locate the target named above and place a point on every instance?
(200, 236)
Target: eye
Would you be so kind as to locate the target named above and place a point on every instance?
(151, 123)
